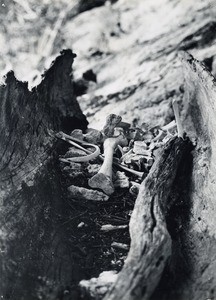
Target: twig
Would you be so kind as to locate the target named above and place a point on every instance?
(109, 227)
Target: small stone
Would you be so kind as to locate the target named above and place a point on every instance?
(111, 122)
(125, 149)
(109, 227)
(139, 147)
(93, 136)
(93, 169)
(134, 189)
(150, 161)
(130, 156)
(77, 133)
(120, 246)
(73, 170)
(81, 193)
(73, 166)
(74, 152)
(80, 225)
(97, 287)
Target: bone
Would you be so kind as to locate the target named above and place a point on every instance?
(73, 141)
(122, 180)
(120, 246)
(103, 179)
(111, 122)
(109, 227)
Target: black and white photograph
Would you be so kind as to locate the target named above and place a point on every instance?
(107, 149)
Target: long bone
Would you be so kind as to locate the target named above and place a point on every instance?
(103, 179)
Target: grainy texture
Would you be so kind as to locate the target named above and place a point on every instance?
(35, 261)
(191, 273)
(131, 46)
(150, 240)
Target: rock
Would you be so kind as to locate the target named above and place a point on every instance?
(73, 167)
(134, 189)
(74, 152)
(81, 193)
(110, 227)
(120, 246)
(77, 133)
(139, 147)
(112, 121)
(73, 170)
(93, 136)
(97, 287)
(81, 224)
(130, 157)
(93, 169)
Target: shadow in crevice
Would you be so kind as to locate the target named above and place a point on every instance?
(179, 267)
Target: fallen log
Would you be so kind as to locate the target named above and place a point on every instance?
(150, 240)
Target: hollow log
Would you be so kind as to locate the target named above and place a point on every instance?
(150, 240)
(191, 271)
(35, 259)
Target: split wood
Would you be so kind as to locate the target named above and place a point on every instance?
(150, 240)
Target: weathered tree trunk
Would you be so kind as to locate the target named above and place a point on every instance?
(150, 240)
(191, 271)
(35, 259)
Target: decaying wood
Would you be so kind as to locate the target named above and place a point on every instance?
(35, 261)
(192, 269)
(150, 240)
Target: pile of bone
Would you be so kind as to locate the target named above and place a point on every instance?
(118, 156)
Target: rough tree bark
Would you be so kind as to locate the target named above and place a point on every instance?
(35, 259)
(150, 240)
(191, 271)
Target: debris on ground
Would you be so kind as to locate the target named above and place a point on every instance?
(100, 284)
(103, 170)
(124, 147)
